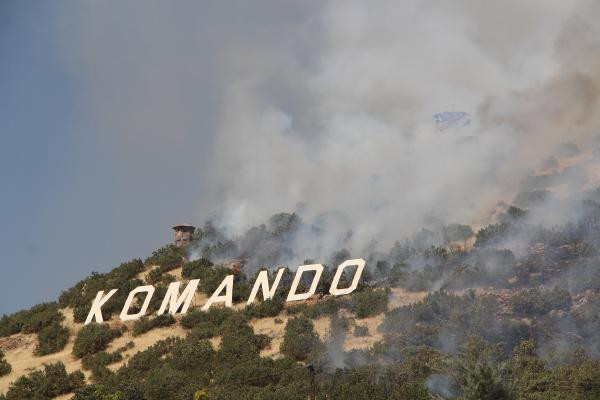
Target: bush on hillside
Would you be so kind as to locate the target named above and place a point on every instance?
(167, 258)
(145, 324)
(299, 339)
(100, 359)
(192, 267)
(157, 276)
(210, 277)
(30, 321)
(540, 301)
(360, 331)
(123, 278)
(491, 234)
(5, 367)
(93, 338)
(370, 302)
(53, 381)
(263, 309)
(51, 339)
(214, 316)
(88, 287)
(326, 306)
(239, 343)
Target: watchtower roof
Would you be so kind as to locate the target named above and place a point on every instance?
(184, 227)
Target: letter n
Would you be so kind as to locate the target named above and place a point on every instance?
(262, 282)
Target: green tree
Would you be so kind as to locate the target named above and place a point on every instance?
(51, 339)
(93, 338)
(477, 372)
(5, 367)
(300, 338)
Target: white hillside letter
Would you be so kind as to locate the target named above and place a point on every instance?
(292, 296)
(96, 310)
(174, 301)
(262, 282)
(227, 284)
(360, 264)
(140, 289)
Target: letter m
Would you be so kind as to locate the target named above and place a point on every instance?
(175, 301)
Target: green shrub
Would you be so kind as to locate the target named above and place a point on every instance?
(370, 302)
(5, 367)
(30, 321)
(164, 382)
(299, 339)
(326, 306)
(145, 324)
(167, 258)
(113, 306)
(240, 343)
(192, 356)
(100, 359)
(538, 302)
(360, 331)
(195, 267)
(203, 330)
(151, 358)
(53, 381)
(215, 316)
(491, 234)
(210, 277)
(157, 276)
(263, 309)
(51, 339)
(87, 288)
(105, 392)
(98, 363)
(93, 338)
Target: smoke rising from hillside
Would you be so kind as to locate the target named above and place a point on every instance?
(346, 128)
(325, 108)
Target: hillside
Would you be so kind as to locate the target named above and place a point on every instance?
(510, 309)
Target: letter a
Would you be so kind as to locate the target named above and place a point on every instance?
(96, 311)
(227, 284)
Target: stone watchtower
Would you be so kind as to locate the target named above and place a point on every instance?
(183, 234)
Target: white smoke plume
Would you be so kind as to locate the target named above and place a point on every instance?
(347, 127)
(325, 108)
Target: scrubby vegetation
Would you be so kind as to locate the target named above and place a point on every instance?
(538, 302)
(48, 383)
(5, 367)
(146, 324)
(528, 331)
(167, 258)
(122, 278)
(300, 338)
(93, 338)
(51, 339)
(263, 309)
(30, 321)
(367, 303)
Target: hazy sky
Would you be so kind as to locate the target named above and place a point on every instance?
(120, 118)
(87, 179)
